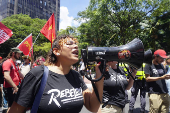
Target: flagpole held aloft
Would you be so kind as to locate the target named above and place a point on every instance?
(35, 39)
(34, 42)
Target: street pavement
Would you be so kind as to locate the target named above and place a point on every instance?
(136, 108)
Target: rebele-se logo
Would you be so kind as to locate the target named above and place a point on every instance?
(124, 54)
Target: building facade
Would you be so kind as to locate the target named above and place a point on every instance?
(42, 9)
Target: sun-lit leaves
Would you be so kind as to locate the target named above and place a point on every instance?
(22, 25)
(115, 22)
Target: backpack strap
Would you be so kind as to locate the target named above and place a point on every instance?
(41, 90)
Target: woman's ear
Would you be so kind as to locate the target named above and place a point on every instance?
(56, 51)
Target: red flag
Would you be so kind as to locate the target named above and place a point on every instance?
(49, 29)
(5, 33)
(26, 45)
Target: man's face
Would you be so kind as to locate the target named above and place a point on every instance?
(159, 59)
(17, 56)
(168, 61)
(26, 60)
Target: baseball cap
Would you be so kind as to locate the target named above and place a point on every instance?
(161, 53)
(15, 49)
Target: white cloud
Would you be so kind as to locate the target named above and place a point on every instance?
(65, 19)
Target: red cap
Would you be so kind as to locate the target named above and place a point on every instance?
(0, 57)
(161, 53)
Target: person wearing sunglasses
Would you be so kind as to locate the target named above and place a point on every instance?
(65, 90)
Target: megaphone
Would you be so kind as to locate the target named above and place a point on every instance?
(148, 57)
(131, 53)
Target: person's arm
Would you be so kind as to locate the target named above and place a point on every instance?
(8, 78)
(130, 80)
(21, 75)
(19, 71)
(150, 79)
(90, 100)
(16, 108)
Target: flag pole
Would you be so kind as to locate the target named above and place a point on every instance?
(34, 42)
(35, 39)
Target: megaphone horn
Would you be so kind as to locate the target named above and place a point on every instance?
(148, 57)
(131, 53)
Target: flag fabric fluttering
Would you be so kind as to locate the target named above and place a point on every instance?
(49, 29)
(26, 45)
(5, 33)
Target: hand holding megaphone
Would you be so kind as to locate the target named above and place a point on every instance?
(132, 53)
(133, 71)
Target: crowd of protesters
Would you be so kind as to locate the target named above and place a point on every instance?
(65, 89)
(14, 70)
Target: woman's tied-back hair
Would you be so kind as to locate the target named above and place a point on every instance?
(57, 43)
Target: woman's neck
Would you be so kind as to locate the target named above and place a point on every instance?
(60, 69)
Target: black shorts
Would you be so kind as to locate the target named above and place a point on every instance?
(9, 95)
(82, 72)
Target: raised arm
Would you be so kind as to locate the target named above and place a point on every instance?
(90, 100)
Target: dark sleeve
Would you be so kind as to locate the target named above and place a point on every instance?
(147, 69)
(80, 80)
(29, 87)
(166, 68)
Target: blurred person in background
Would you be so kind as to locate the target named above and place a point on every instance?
(157, 88)
(40, 60)
(114, 91)
(27, 65)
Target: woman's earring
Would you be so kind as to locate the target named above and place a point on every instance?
(58, 53)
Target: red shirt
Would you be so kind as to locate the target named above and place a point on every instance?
(9, 65)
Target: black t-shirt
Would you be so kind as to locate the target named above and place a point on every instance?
(113, 90)
(159, 86)
(62, 93)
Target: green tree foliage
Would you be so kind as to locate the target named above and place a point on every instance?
(68, 31)
(115, 22)
(160, 31)
(22, 25)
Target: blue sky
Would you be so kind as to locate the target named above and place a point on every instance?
(69, 10)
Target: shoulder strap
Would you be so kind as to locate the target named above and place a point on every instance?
(153, 67)
(163, 68)
(41, 90)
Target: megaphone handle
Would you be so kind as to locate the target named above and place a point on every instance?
(102, 70)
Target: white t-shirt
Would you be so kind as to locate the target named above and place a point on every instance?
(25, 69)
